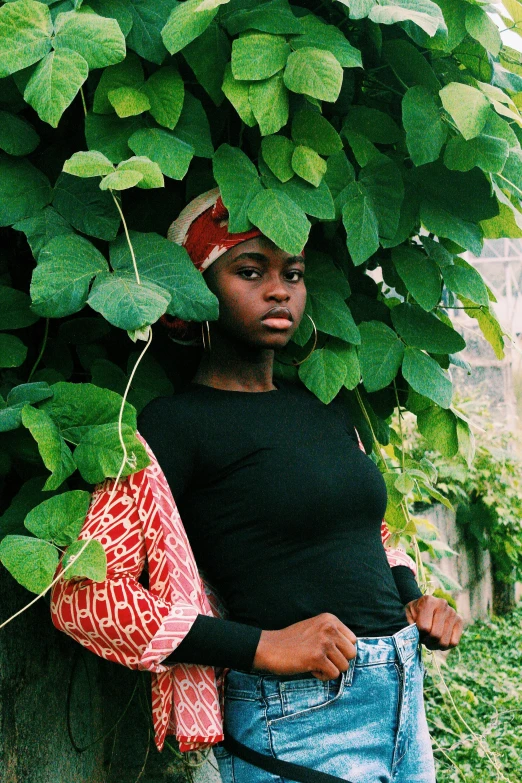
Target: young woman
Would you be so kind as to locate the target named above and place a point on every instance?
(283, 513)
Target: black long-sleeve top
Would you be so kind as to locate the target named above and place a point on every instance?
(283, 512)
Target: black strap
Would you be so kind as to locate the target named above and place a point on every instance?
(283, 769)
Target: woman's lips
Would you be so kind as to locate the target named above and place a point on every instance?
(278, 323)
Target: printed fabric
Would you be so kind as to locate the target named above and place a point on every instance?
(122, 621)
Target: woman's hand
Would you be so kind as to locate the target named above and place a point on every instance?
(439, 625)
(322, 645)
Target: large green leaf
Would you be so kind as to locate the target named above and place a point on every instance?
(99, 454)
(238, 182)
(169, 266)
(17, 137)
(313, 130)
(277, 154)
(25, 35)
(30, 561)
(464, 280)
(481, 27)
(166, 92)
(314, 72)
(331, 313)
(258, 56)
(188, 20)
(360, 222)
(55, 83)
(24, 190)
(88, 560)
(88, 164)
(125, 303)
(380, 355)
(114, 9)
(424, 330)
(76, 408)
(308, 165)
(465, 195)
(376, 125)
(324, 374)
(425, 131)
(317, 202)
(150, 172)
(96, 38)
(60, 282)
(162, 146)
(86, 207)
(467, 106)
(439, 427)
(443, 223)
(408, 64)
(128, 101)
(237, 93)
(487, 152)
(488, 324)
(39, 230)
(55, 453)
(121, 180)
(269, 102)
(208, 57)
(427, 377)
(12, 351)
(280, 219)
(382, 183)
(318, 35)
(424, 13)
(274, 16)
(148, 20)
(60, 518)
(419, 273)
(15, 310)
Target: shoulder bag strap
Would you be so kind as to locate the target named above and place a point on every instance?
(283, 769)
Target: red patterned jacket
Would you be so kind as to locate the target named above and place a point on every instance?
(123, 622)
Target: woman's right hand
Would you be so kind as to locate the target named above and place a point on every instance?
(322, 645)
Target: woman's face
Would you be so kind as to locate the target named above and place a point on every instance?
(250, 280)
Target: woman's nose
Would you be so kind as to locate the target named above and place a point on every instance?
(276, 288)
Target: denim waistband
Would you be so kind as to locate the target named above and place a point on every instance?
(370, 650)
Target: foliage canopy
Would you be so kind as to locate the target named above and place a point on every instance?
(384, 134)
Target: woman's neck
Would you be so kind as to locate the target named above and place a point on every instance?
(236, 368)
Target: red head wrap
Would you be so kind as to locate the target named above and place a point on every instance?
(202, 229)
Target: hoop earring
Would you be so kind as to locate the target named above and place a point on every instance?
(206, 342)
(296, 364)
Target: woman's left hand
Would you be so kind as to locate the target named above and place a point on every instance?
(440, 627)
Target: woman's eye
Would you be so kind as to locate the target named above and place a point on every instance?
(248, 273)
(299, 275)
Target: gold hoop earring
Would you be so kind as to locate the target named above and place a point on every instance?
(206, 342)
(296, 364)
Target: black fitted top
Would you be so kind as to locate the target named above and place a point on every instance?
(283, 512)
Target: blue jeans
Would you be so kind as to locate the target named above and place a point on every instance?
(367, 726)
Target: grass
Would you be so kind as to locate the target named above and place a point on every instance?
(484, 676)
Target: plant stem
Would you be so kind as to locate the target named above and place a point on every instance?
(42, 349)
(83, 102)
(128, 238)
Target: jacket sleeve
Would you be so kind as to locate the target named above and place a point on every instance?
(116, 618)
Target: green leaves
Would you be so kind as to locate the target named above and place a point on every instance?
(97, 39)
(380, 355)
(269, 103)
(60, 518)
(311, 129)
(24, 189)
(324, 374)
(168, 265)
(467, 106)
(88, 560)
(17, 137)
(88, 164)
(239, 183)
(258, 56)
(188, 20)
(427, 377)
(424, 330)
(172, 155)
(308, 165)
(25, 35)
(125, 303)
(30, 561)
(166, 92)
(419, 273)
(277, 154)
(360, 222)
(55, 83)
(314, 72)
(55, 453)
(60, 283)
(84, 206)
(425, 131)
(12, 351)
(99, 453)
(280, 219)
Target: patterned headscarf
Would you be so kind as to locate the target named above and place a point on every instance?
(202, 229)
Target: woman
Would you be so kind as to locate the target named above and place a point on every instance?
(283, 513)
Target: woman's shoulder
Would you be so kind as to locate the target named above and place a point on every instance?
(162, 412)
